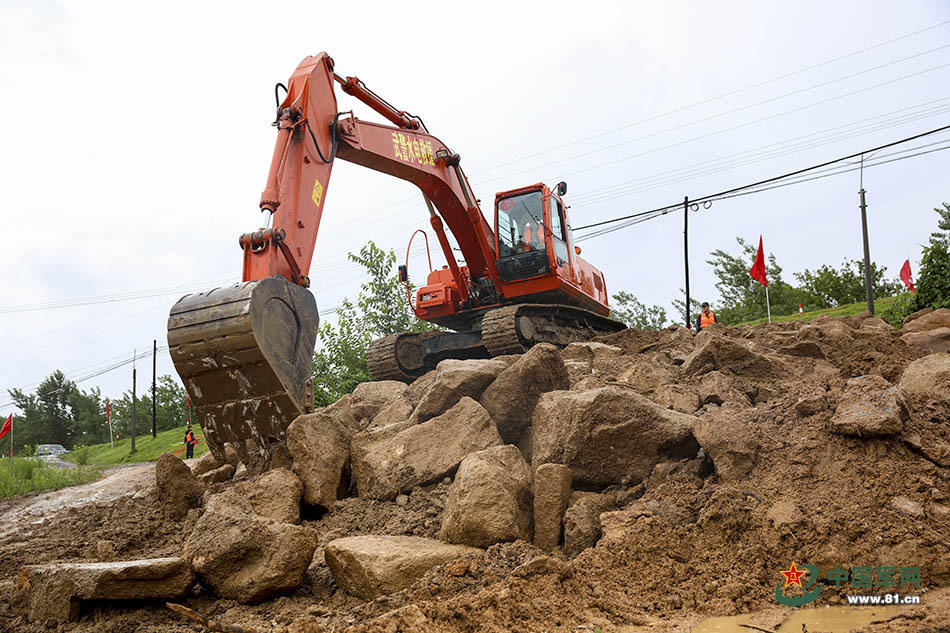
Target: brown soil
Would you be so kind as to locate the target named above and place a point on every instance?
(688, 548)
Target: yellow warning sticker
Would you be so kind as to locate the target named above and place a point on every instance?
(317, 192)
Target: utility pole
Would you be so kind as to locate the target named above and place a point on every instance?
(133, 401)
(686, 253)
(154, 351)
(868, 290)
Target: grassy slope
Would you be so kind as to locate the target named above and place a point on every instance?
(846, 310)
(147, 448)
(20, 476)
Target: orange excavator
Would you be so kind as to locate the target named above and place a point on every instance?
(245, 352)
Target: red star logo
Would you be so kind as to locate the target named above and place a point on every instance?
(793, 576)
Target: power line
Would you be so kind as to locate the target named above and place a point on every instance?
(723, 194)
(718, 97)
(756, 155)
(727, 113)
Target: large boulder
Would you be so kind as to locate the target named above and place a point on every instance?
(370, 397)
(454, 380)
(936, 340)
(219, 475)
(582, 527)
(678, 397)
(928, 377)
(714, 351)
(386, 463)
(177, 487)
(645, 375)
(870, 407)
(729, 442)
(320, 446)
(490, 500)
(609, 435)
(929, 321)
(54, 592)
(511, 398)
(243, 556)
(275, 495)
(372, 566)
(552, 490)
(718, 388)
(598, 356)
(399, 410)
(206, 463)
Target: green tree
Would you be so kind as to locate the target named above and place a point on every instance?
(826, 287)
(630, 311)
(943, 224)
(48, 415)
(743, 298)
(89, 422)
(381, 308)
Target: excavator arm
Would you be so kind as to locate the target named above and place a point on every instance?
(311, 133)
(245, 353)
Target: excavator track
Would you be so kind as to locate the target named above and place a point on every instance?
(515, 329)
(508, 330)
(383, 357)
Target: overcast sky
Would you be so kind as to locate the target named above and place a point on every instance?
(136, 139)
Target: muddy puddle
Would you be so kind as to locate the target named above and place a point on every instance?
(839, 619)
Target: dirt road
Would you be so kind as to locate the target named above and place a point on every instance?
(118, 481)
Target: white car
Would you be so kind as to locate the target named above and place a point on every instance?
(49, 452)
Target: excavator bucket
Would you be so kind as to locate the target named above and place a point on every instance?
(245, 354)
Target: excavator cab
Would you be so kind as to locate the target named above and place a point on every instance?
(531, 233)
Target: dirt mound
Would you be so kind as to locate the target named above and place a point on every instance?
(787, 463)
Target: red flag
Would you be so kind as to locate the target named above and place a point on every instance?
(758, 268)
(107, 411)
(906, 277)
(7, 426)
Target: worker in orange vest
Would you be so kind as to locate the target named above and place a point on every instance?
(706, 318)
(527, 237)
(190, 441)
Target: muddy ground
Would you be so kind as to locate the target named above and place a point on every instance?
(683, 545)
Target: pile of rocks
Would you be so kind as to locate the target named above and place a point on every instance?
(553, 447)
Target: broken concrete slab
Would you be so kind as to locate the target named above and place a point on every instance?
(385, 464)
(490, 500)
(372, 566)
(56, 590)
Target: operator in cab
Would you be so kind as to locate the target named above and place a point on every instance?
(706, 318)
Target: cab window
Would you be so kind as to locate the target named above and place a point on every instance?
(520, 224)
(558, 230)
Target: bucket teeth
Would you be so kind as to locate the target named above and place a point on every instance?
(245, 355)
